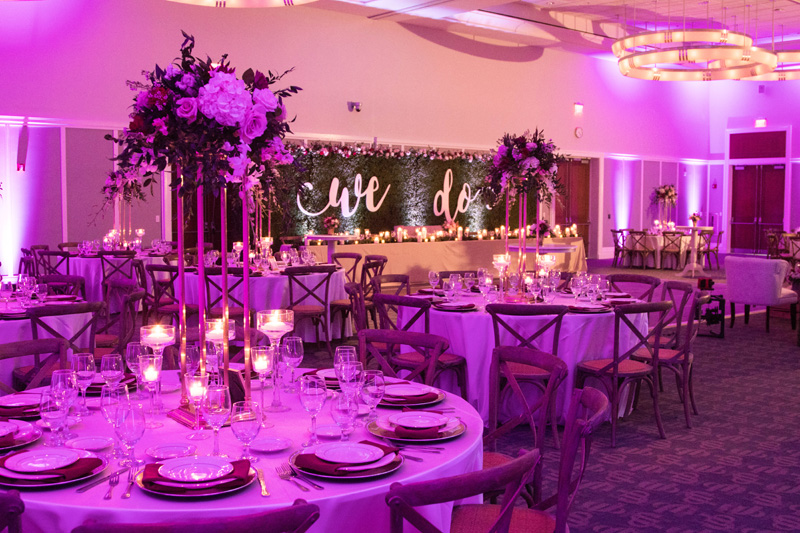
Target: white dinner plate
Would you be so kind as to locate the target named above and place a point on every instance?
(348, 452)
(384, 429)
(92, 444)
(271, 444)
(41, 459)
(26, 399)
(71, 421)
(419, 420)
(329, 431)
(195, 469)
(170, 451)
(327, 373)
(251, 477)
(7, 428)
(407, 390)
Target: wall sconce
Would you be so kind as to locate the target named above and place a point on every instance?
(354, 106)
(22, 148)
(578, 108)
(761, 123)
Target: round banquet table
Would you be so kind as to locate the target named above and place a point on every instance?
(271, 291)
(344, 505)
(91, 268)
(583, 337)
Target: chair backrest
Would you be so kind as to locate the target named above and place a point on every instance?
(618, 236)
(296, 518)
(55, 352)
(127, 319)
(369, 258)
(719, 240)
(704, 243)
(692, 326)
(754, 280)
(237, 273)
(510, 478)
(794, 247)
(356, 295)
(118, 266)
(637, 240)
(349, 262)
(11, 509)
(535, 415)
(679, 293)
(40, 327)
(162, 282)
(27, 265)
(304, 290)
(65, 246)
(52, 262)
(672, 241)
(59, 284)
(429, 346)
(772, 245)
(391, 283)
(647, 284)
(389, 304)
(501, 312)
(369, 271)
(587, 410)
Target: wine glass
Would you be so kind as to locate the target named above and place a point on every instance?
(6, 290)
(197, 386)
(603, 287)
(110, 398)
(192, 358)
(262, 364)
(216, 336)
(111, 368)
(54, 416)
(372, 391)
(482, 273)
(132, 353)
(535, 289)
(513, 283)
(150, 369)
(344, 410)
(350, 375)
(129, 427)
(456, 284)
(245, 423)
(39, 290)
(292, 355)
(275, 323)
(469, 280)
(217, 409)
(433, 279)
(313, 394)
(85, 369)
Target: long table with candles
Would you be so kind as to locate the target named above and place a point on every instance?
(418, 258)
(348, 503)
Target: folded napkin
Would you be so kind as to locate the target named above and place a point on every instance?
(311, 463)
(410, 400)
(76, 470)
(127, 379)
(460, 307)
(22, 411)
(154, 481)
(8, 440)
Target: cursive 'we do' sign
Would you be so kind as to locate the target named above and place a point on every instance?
(440, 203)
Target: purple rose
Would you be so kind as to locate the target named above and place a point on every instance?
(266, 98)
(255, 123)
(187, 108)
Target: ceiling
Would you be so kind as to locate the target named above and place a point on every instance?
(585, 26)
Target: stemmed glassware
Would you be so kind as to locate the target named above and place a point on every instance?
(64, 387)
(535, 288)
(197, 386)
(217, 409)
(262, 364)
(313, 394)
(85, 369)
(275, 323)
(245, 423)
(372, 391)
(112, 368)
(216, 336)
(237, 248)
(456, 284)
(469, 280)
(111, 396)
(344, 410)
(6, 290)
(433, 279)
(292, 355)
(150, 368)
(192, 358)
(129, 427)
(54, 415)
(501, 263)
(513, 283)
(603, 287)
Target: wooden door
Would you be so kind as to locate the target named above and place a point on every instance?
(573, 207)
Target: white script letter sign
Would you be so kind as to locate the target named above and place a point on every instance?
(441, 201)
(344, 200)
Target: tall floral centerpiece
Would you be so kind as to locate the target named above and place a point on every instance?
(125, 186)
(665, 197)
(523, 165)
(214, 128)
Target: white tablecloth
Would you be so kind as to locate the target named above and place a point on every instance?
(656, 242)
(583, 337)
(271, 291)
(344, 506)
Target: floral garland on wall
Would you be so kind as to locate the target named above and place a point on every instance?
(348, 151)
(197, 114)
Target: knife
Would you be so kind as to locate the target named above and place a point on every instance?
(101, 480)
(305, 479)
(263, 482)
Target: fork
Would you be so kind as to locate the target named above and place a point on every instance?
(131, 478)
(285, 474)
(112, 482)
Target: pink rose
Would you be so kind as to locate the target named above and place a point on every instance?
(266, 98)
(187, 108)
(255, 123)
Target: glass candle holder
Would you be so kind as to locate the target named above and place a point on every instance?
(150, 370)
(197, 385)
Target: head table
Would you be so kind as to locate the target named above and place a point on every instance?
(583, 337)
(344, 505)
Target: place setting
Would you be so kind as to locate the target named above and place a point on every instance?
(348, 460)
(17, 433)
(196, 476)
(455, 306)
(417, 426)
(49, 467)
(403, 394)
(23, 405)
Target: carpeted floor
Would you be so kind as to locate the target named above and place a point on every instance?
(737, 469)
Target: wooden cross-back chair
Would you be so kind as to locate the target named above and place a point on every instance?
(648, 284)
(638, 246)
(349, 262)
(385, 345)
(384, 303)
(65, 285)
(107, 343)
(117, 267)
(620, 251)
(41, 329)
(54, 350)
(673, 241)
(165, 301)
(52, 262)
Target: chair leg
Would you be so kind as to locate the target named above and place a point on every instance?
(656, 409)
(690, 370)
(767, 319)
(685, 390)
(747, 315)
(554, 423)
(793, 312)
(733, 313)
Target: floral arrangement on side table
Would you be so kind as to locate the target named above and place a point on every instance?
(331, 223)
(666, 195)
(450, 225)
(695, 218)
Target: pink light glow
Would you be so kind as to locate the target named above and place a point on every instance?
(622, 185)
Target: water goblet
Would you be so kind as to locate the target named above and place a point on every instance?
(150, 369)
(132, 353)
(197, 387)
(513, 282)
(456, 284)
(217, 409)
(603, 287)
(351, 377)
(372, 392)
(110, 398)
(482, 273)
(245, 424)
(129, 427)
(112, 368)
(192, 358)
(344, 411)
(313, 394)
(433, 279)
(536, 289)
(237, 248)
(262, 364)
(493, 295)
(292, 355)
(6, 291)
(39, 293)
(85, 369)
(469, 280)
(54, 416)
(216, 336)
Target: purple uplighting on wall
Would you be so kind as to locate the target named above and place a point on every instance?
(621, 192)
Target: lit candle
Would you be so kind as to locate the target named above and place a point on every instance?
(376, 240)
(480, 236)
(261, 364)
(460, 233)
(196, 390)
(150, 374)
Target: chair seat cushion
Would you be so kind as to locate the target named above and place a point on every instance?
(105, 340)
(788, 296)
(308, 310)
(414, 359)
(493, 459)
(341, 303)
(527, 371)
(479, 518)
(665, 355)
(174, 309)
(626, 368)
